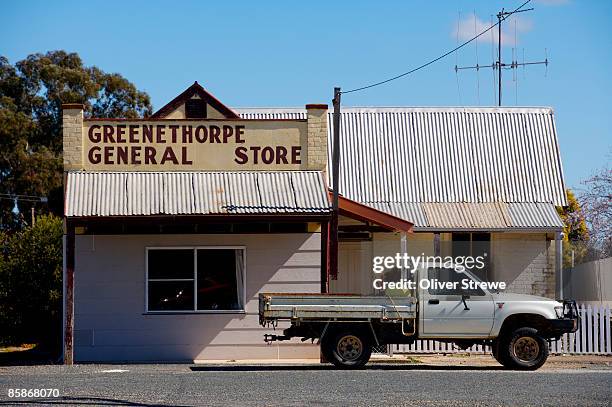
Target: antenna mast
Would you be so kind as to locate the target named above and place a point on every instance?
(499, 64)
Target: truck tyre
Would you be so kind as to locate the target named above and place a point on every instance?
(347, 349)
(523, 349)
(495, 346)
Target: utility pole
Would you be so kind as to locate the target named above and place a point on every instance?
(333, 233)
(500, 15)
(499, 65)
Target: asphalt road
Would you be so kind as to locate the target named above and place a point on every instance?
(390, 385)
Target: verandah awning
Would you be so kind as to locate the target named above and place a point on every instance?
(454, 216)
(195, 193)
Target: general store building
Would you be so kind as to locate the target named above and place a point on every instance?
(175, 223)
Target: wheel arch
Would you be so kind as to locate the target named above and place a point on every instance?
(363, 328)
(524, 319)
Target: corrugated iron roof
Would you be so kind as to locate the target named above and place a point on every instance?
(475, 216)
(449, 167)
(411, 211)
(437, 154)
(447, 215)
(188, 193)
(534, 215)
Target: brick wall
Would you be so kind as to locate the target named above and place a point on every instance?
(525, 261)
(317, 137)
(72, 128)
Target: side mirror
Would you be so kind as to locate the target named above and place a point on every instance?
(463, 298)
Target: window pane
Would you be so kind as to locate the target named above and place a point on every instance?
(217, 280)
(461, 244)
(171, 263)
(444, 275)
(170, 295)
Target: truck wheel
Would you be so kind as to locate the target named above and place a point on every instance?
(495, 352)
(495, 346)
(523, 349)
(347, 349)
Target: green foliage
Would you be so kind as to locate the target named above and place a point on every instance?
(31, 94)
(31, 283)
(575, 226)
(576, 233)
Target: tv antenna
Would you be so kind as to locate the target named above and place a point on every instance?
(499, 64)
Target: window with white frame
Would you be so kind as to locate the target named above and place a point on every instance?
(195, 279)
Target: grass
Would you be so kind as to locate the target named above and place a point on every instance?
(17, 348)
(26, 354)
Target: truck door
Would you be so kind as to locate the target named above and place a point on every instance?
(444, 313)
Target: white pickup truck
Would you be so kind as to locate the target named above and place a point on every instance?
(347, 326)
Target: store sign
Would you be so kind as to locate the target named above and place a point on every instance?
(193, 145)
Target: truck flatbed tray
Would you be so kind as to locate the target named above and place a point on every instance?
(281, 306)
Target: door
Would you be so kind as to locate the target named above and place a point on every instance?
(444, 314)
(354, 269)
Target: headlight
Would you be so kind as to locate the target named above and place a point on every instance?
(559, 312)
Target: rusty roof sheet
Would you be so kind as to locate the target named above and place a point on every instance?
(440, 216)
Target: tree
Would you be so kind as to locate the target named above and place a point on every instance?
(31, 283)
(575, 231)
(596, 201)
(31, 94)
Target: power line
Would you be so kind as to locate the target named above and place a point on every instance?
(25, 198)
(438, 58)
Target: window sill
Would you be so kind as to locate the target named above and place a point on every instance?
(194, 312)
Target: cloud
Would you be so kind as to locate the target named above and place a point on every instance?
(471, 25)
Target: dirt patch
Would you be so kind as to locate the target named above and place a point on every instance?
(466, 359)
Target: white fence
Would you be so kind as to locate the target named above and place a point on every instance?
(592, 337)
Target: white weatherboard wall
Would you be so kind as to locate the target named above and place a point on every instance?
(110, 319)
(355, 259)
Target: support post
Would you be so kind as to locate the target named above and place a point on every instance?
(324, 257)
(436, 244)
(333, 233)
(404, 252)
(69, 295)
(559, 264)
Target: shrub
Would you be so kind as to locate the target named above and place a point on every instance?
(31, 284)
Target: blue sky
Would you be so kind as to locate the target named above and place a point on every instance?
(293, 53)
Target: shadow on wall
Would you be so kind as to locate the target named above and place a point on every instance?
(111, 325)
(525, 262)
